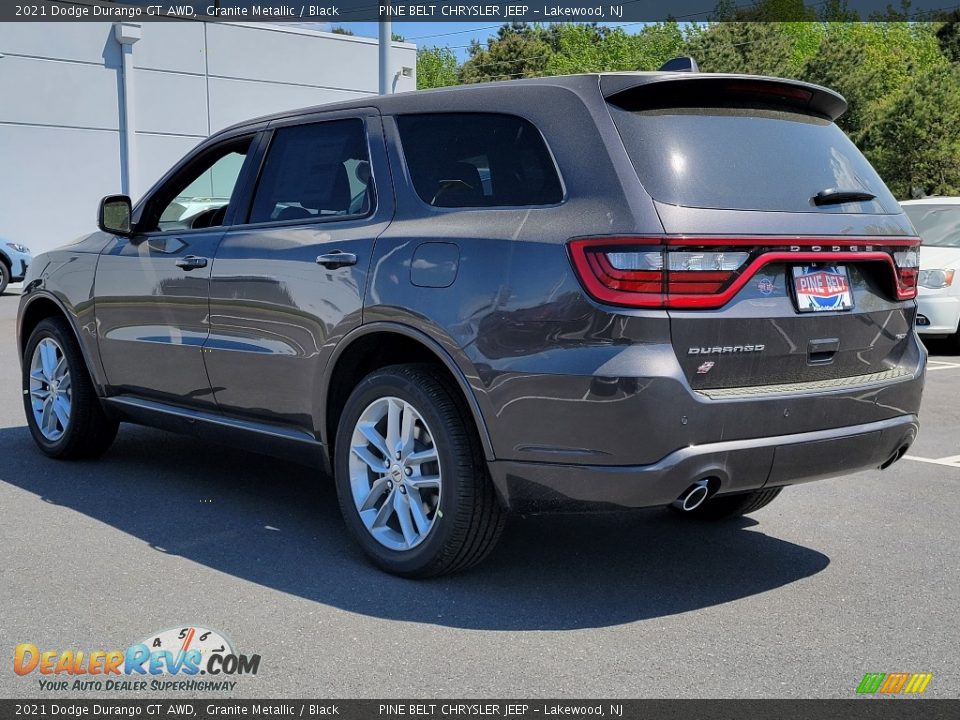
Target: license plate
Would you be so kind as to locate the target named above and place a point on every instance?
(822, 288)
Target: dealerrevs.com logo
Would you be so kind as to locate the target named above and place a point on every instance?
(169, 660)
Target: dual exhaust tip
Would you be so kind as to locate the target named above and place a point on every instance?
(693, 497)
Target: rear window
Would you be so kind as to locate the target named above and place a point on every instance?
(747, 159)
(478, 160)
(937, 225)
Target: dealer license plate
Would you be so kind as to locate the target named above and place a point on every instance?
(822, 288)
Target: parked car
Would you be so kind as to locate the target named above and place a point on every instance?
(592, 292)
(937, 221)
(14, 261)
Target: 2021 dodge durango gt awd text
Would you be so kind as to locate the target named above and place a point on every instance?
(582, 293)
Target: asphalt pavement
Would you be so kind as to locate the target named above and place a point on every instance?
(833, 580)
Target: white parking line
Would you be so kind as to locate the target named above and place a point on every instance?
(952, 461)
(941, 365)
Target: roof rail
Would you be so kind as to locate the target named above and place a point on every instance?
(680, 64)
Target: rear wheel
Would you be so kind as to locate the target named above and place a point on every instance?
(63, 411)
(723, 507)
(411, 479)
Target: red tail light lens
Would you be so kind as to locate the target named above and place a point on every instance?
(685, 272)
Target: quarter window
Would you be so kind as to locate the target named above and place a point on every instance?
(478, 160)
(315, 172)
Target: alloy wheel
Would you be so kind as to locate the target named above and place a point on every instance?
(51, 393)
(395, 474)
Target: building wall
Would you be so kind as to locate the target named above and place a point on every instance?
(61, 113)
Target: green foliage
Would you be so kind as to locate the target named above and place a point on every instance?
(915, 143)
(757, 48)
(436, 67)
(518, 51)
(337, 30)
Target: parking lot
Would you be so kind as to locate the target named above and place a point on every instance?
(833, 580)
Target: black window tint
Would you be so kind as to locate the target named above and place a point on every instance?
(747, 159)
(478, 160)
(319, 171)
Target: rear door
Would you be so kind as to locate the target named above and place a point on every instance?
(785, 258)
(289, 277)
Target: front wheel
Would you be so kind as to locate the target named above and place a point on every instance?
(4, 277)
(411, 479)
(63, 411)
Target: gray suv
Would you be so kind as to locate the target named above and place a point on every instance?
(593, 292)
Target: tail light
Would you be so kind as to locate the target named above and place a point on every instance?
(688, 272)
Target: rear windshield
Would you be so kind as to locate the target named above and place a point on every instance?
(747, 159)
(937, 225)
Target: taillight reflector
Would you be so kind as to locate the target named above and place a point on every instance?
(706, 272)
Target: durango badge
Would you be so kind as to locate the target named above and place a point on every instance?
(726, 350)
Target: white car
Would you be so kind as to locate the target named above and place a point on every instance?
(937, 220)
(14, 261)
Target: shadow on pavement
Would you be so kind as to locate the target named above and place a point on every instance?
(278, 525)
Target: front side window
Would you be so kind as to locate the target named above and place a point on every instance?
(478, 160)
(198, 197)
(315, 172)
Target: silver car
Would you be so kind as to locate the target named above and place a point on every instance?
(14, 261)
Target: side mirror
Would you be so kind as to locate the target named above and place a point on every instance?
(114, 215)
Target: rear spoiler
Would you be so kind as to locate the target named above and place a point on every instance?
(649, 91)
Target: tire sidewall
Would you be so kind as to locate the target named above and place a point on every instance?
(47, 329)
(4, 277)
(391, 383)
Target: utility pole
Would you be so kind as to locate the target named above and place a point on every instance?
(386, 40)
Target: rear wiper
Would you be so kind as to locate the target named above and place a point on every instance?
(836, 196)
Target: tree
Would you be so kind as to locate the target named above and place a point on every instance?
(436, 67)
(518, 50)
(915, 144)
(869, 63)
(337, 30)
(755, 48)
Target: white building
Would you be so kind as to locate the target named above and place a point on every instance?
(65, 99)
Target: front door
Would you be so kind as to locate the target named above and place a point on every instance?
(152, 289)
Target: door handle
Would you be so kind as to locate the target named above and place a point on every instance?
(191, 262)
(822, 351)
(337, 259)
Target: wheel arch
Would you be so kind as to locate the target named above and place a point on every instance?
(42, 305)
(364, 350)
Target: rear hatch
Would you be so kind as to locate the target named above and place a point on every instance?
(784, 259)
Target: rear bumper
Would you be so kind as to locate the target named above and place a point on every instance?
(938, 314)
(739, 465)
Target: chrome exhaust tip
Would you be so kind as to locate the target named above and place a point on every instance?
(693, 497)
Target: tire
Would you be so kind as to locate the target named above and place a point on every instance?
(460, 518)
(4, 277)
(725, 507)
(87, 431)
